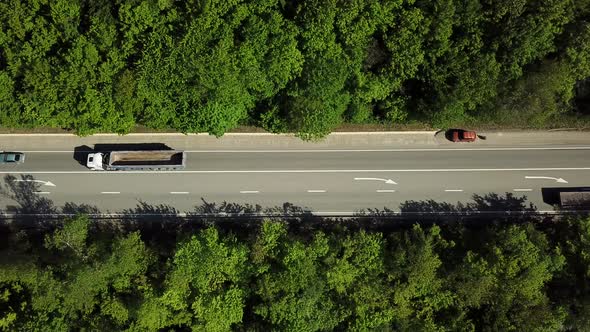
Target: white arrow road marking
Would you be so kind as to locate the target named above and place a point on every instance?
(388, 181)
(44, 183)
(560, 180)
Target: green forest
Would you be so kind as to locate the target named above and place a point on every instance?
(303, 66)
(80, 274)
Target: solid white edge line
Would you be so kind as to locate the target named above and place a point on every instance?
(249, 192)
(42, 192)
(315, 171)
(351, 150)
(522, 189)
(454, 190)
(390, 150)
(385, 191)
(316, 191)
(110, 192)
(179, 192)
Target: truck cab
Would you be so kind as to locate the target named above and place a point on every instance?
(94, 161)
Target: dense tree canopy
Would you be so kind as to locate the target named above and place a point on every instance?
(500, 277)
(286, 65)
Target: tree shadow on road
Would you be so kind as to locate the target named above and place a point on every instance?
(250, 215)
(31, 209)
(165, 224)
(24, 191)
(483, 209)
(26, 207)
(74, 208)
(490, 202)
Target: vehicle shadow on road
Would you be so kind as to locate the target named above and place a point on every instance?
(130, 147)
(81, 154)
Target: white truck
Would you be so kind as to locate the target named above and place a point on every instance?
(153, 160)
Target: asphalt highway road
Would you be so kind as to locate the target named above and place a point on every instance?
(322, 180)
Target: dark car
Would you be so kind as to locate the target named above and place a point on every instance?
(12, 157)
(460, 135)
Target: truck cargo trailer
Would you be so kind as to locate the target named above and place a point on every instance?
(574, 199)
(155, 160)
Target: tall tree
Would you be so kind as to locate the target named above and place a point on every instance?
(205, 288)
(316, 103)
(291, 282)
(502, 280)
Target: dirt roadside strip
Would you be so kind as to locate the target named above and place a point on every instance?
(268, 141)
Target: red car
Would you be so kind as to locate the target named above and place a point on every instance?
(460, 135)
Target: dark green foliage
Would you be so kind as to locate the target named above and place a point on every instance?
(87, 275)
(79, 278)
(286, 65)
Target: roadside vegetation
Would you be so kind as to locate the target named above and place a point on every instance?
(298, 66)
(279, 276)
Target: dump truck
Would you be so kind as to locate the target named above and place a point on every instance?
(154, 160)
(574, 199)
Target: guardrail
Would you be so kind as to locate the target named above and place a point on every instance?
(361, 214)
